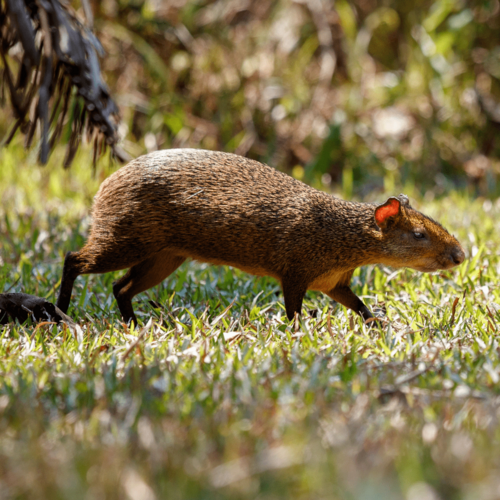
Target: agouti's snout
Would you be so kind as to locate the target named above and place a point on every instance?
(457, 256)
(165, 207)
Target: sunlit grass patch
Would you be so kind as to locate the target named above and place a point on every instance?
(217, 395)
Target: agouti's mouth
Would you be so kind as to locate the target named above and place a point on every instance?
(436, 266)
(433, 267)
(429, 269)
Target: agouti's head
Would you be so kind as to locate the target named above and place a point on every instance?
(415, 240)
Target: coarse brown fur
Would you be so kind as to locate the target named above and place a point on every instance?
(167, 206)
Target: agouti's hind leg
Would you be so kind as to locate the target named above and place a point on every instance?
(88, 261)
(143, 276)
(72, 268)
(294, 291)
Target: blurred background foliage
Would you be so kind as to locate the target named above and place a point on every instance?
(361, 96)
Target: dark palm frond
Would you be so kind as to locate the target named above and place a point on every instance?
(51, 67)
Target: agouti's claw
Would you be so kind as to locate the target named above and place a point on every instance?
(376, 323)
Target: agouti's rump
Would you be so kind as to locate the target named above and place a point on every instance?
(165, 207)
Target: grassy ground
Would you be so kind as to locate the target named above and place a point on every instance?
(217, 396)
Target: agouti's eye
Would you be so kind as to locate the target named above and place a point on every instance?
(419, 236)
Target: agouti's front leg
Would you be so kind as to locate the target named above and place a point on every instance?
(345, 296)
(294, 290)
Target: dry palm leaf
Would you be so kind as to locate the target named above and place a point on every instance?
(52, 76)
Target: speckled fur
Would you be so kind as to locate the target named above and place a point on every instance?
(221, 208)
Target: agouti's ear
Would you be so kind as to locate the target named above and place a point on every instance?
(384, 212)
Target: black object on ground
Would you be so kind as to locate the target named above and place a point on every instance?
(21, 306)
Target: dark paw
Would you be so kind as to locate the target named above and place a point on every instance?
(376, 322)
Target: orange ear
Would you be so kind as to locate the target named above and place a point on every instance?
(388, 209)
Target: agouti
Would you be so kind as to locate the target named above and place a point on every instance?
(167, 206)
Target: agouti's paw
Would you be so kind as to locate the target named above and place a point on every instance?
(376, 323)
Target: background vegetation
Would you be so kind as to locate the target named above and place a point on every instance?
(216, 395)
(345, 92)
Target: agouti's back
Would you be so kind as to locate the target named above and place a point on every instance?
(217, 207)
(222, 208)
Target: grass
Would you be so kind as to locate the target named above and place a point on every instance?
(216, 395)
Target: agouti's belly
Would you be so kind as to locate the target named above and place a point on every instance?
(326, 282)
(250, 269)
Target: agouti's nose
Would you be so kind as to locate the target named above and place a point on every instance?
(457, 256)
